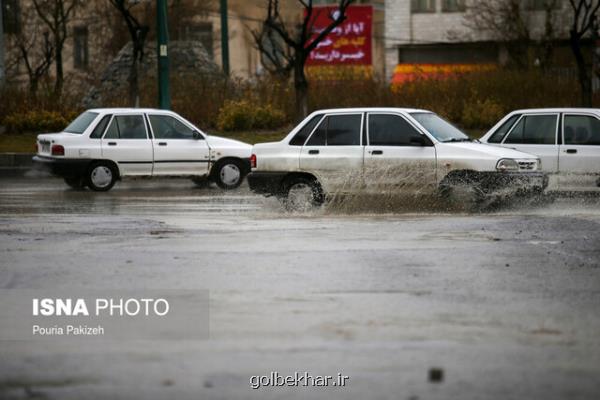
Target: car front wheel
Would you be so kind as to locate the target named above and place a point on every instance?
(229, 174)
(101, 177)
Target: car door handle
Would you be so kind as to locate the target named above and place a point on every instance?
(313, 152)
(571, 151)
(377, 152)
(112, 143)
(162, 143)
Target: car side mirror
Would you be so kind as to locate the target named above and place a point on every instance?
(418, 140)
(197, 136)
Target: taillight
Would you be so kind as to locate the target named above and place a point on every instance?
(58, 150)
(253, 161)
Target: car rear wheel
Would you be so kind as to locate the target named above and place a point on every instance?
(101, 177)
(76, 183)
(229, 174)
(302, 194)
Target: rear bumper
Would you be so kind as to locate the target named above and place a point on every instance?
(63, 167)
(519, 181)
(266, 183)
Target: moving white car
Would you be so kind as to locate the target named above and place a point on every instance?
(567, 140)
(385, 150)
(103, 145)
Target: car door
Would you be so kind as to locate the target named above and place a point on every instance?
(537, 134)
(579, 155)
(398, 157)
(127, 143)
(334, 152)
(178, 148)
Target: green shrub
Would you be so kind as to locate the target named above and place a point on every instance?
(481, 113)
(243, 115)
(38, 121)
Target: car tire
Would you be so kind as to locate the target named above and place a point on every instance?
(201, 181)
(229, 174)
(101, 176)
(302, 194)
(465, 193)
(76, 183)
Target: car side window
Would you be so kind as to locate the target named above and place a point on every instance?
(300, 137)
(503, 130)
(126, 127)
(390, 130)
(582, 130)
(344, 130)
(167, 127)
(337, 130)
(534, 129)
(100, 127)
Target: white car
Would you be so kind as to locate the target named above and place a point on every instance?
(381, 150)
(567, 140)
(103, 145)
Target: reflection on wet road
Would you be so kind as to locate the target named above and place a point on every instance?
(505, 302)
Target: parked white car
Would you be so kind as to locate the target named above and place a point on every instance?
(384, 149)
(567, 140)
(103, 145)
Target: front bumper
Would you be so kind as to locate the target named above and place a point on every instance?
(266, 183)
(63, 167)
(519, 181)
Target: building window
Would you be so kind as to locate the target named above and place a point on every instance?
(200, 32)
(453, 5)
(422, 6)
(11, 22)
(80, 47)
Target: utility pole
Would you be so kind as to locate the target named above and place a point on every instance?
(224, 38)
(2, 73)
(162, 41)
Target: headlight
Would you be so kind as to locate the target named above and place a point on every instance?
(507, 164)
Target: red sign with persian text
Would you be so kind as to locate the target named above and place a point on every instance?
(349, 43)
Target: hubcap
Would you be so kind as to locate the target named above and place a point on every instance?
(230, 174)
(300, 197)
(101, 176)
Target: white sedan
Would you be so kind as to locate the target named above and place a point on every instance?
(567, 140)
(103, 145)
(386, 149)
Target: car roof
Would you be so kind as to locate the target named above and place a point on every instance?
(371, 109)
(127, 109)
(559, 109)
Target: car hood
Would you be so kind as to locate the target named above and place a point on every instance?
(483, 150)
(217, 141)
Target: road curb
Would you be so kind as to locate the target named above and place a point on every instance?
(16, 160)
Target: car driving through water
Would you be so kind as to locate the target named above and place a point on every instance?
(386, 150)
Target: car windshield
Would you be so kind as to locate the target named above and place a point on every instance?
(81, 123)
(441, 129)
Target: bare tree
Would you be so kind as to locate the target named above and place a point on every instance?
(138, 33)
(37, 60)
(585, 16)
(508, 21)
(287, 49)
(56, 15)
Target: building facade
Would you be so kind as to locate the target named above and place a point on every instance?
(443, 32)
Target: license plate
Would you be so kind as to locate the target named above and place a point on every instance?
(45, 147)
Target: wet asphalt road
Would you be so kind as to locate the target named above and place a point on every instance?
(507, 303)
